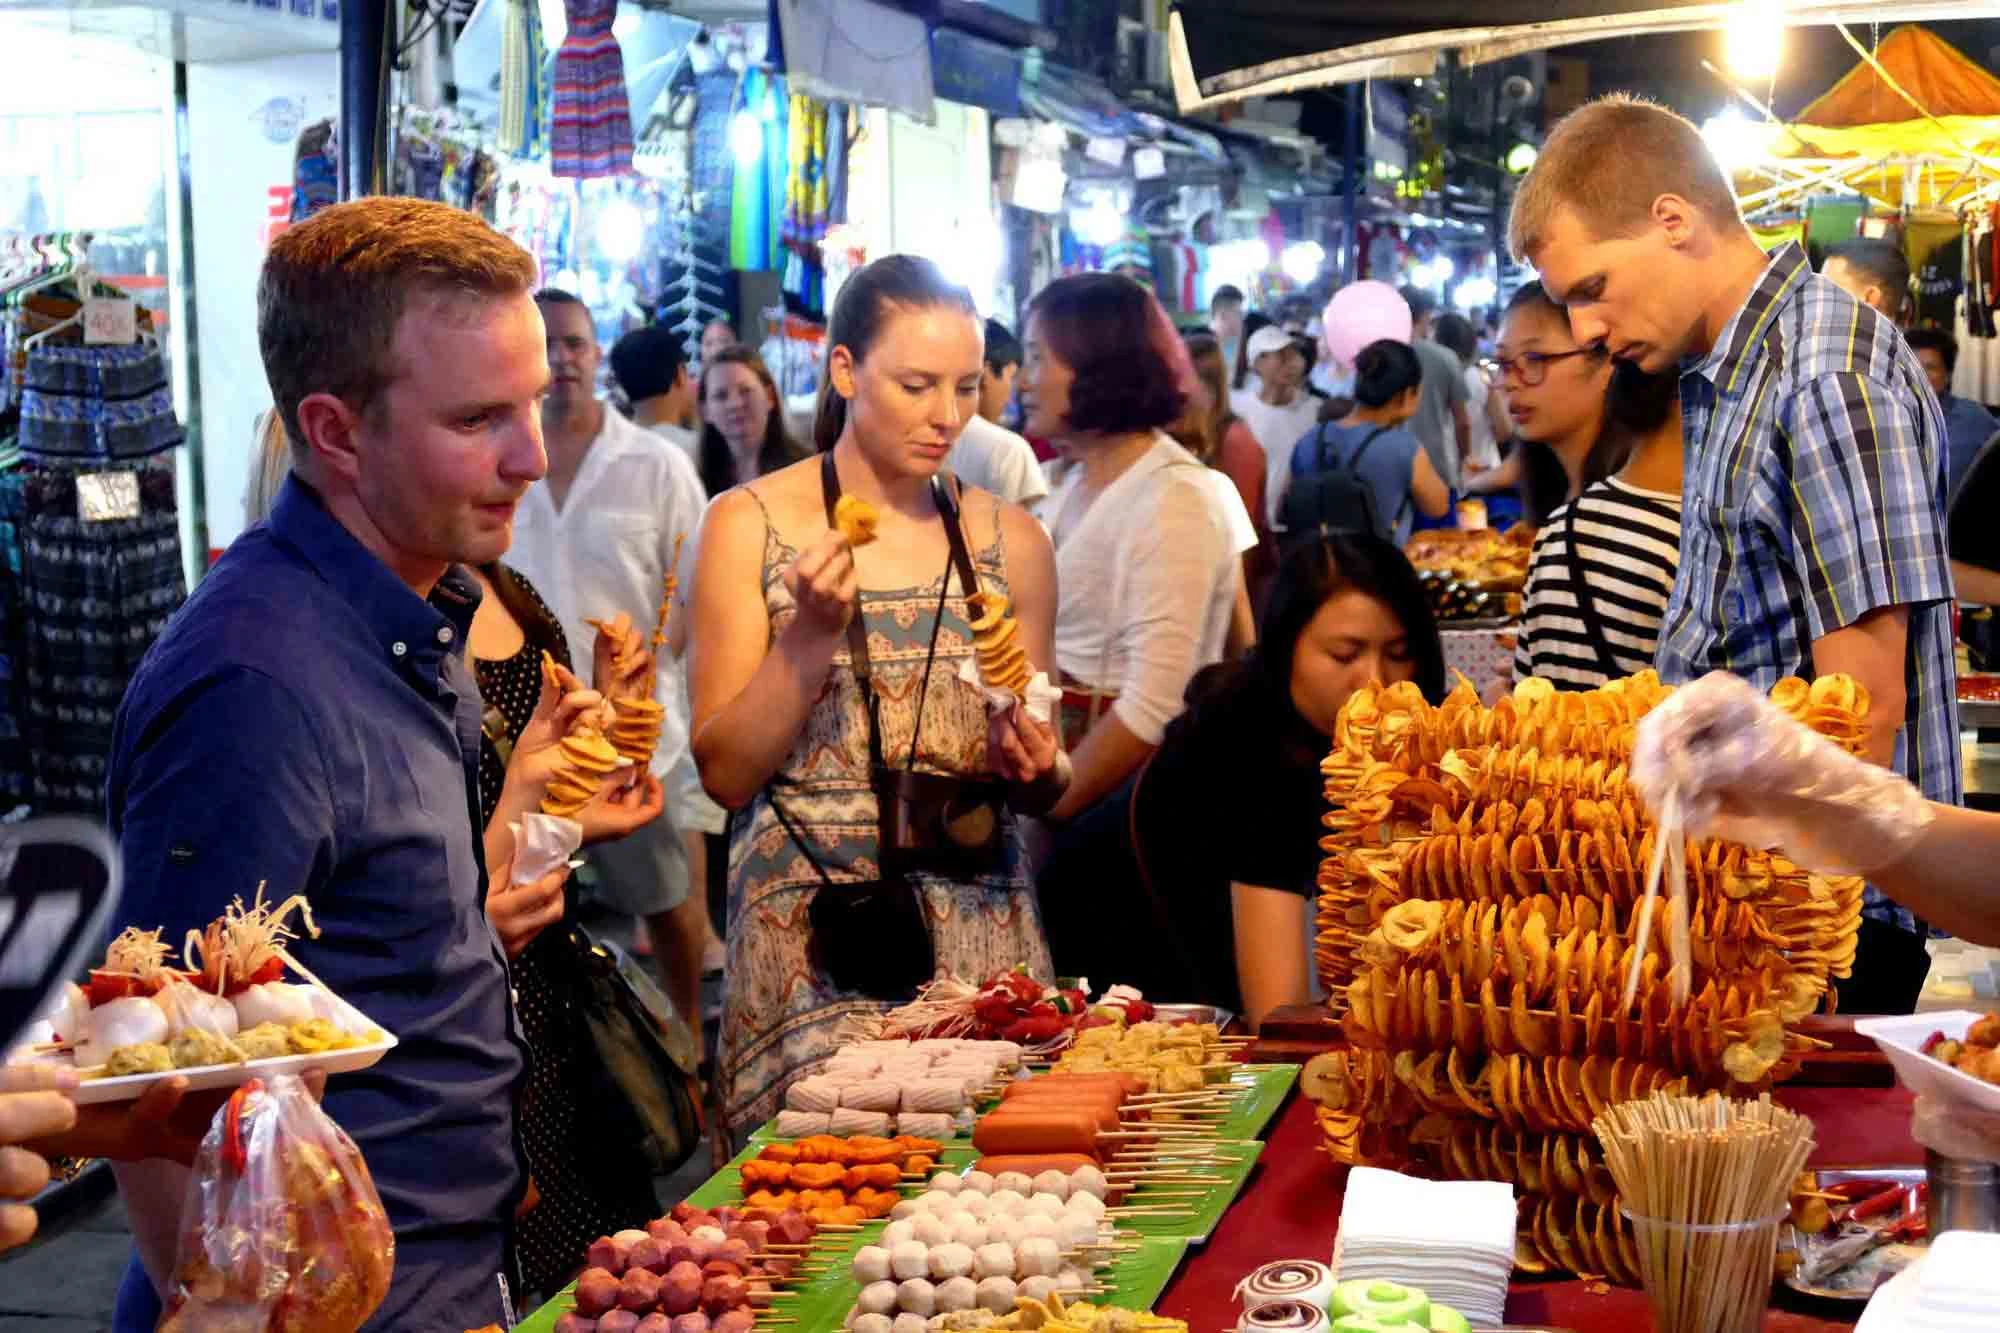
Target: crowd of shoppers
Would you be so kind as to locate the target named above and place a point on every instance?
(352, 705)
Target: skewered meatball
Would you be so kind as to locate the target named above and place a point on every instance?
(734, 1321)
(1035, 1224)
(1044, 1205)
(722, 1294)
(1006, 1230)
(1018, 1181)
(1053, 1182)
(1037, 1288)
(975, 1205)
(958, 1293)
(607, 1253)
(654, 1323)
(871, 1323)
(877, 1298)
(931, 1229)
(950, 1260)
(575, 1323)
(1038, 1256)
(910, 1323)
(996, 1294)
(639, 1291)
(897, 1232)
(596, 1292)
(969, 1231)
(910, 1259)
(695, 1322)
(618, 1321)
(871, 1264)
(993, 1259)
(1090, 1205)
(977, 1182)
(1009, 1201)
(1076, 1230)
(944, 1182)
(1088, 1180)
(917, 1296)
(680, 1293)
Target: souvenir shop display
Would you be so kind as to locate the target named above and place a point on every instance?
(88, 519)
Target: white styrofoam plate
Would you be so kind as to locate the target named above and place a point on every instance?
(207, 1077)
(1902, 1037)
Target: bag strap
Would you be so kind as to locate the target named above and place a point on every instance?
(798, 839)
(1586, 608)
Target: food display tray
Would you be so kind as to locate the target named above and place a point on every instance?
(1978, 713)
(1235, 1162)
(1902, 1037)
(1270, 1084)
(128, 1087)
(1834, 1175)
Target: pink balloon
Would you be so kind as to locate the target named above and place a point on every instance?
(1361, 313)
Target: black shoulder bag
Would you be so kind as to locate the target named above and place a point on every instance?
(1586, 609)
(642, 1082)
(872, 937)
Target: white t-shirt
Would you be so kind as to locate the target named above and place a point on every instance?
(1484, 449)
(996, 459)
(1146, 576)
(1278, 430)
(607, 550)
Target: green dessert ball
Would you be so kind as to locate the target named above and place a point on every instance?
(1388, 1302)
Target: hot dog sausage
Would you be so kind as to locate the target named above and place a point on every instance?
(1034, 1165)
(1004, 1133)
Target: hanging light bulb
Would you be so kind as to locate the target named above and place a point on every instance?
(1301, 261)
(1754, 38)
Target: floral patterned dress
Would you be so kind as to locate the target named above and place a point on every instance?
(781, 1018)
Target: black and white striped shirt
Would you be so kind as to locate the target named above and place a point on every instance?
(1629, 544)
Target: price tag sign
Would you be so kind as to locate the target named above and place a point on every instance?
(103, 496)
(1149, 164)
(1109, 151)
(110, 319)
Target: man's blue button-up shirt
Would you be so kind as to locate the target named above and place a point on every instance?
(308, 722)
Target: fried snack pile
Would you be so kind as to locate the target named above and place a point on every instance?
(855, 519)
(1482, 558)
(1977, 1053)
(1054, 1314)
(1478, 911)
(996, 644)
(1171, 1057)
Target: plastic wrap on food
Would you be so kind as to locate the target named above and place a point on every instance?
(282, 1229)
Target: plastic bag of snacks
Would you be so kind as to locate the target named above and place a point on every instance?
(282, 1231)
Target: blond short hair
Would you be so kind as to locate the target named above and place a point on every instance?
(334, 287)
(269, 466)
(1607, 162)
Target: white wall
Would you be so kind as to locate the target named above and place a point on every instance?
(243, 119)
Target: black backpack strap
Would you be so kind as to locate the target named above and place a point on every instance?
(1586, 609)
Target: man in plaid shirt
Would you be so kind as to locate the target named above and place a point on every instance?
(1812, 532)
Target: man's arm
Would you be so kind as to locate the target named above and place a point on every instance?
(1976, 583)
(1872, 650)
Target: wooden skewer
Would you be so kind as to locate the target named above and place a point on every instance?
(1152, 1212)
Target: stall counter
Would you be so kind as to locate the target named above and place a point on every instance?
(1292, 1205)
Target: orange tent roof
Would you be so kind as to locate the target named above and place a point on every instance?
(1933, 71)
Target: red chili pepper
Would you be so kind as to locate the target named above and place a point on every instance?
(1931, 1041)
(105, 988)
(233, 1155)
(1854, 1189)
(1139, 1011)
(1036, 1028)
(1876, 1204)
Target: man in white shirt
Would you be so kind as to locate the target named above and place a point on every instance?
(597, 537)
(650, 365)
(987, 454)
(1279, 412)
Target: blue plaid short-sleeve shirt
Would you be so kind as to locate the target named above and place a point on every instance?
(1814, 495)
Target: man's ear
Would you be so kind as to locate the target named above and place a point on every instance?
(329, 428)
(1676, 217)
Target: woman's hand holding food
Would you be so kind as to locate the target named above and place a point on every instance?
(520, 912)
(621, 666)
(823, 582)
(537, 755)
(620, 809)
(34, 1103)
(1019, 748)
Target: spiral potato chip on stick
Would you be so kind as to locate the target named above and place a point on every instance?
(996, 644)
(588, 758)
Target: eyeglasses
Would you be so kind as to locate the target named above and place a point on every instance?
(1531, 368)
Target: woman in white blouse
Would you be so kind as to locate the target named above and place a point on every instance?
(1147, 573)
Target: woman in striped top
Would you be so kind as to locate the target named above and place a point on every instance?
(1601, 570)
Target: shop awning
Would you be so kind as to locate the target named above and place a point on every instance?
(1864, 135)
(1226, 50)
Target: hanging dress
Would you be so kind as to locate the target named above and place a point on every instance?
(780, 1016)
(591, 133)
(524, 93)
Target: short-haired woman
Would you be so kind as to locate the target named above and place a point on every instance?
(1146, 557)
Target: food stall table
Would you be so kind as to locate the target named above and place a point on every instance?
(1291, 1209)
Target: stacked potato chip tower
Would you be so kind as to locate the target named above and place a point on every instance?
(996, 644)
(588, 760)
(635, 731)
(1479, 907)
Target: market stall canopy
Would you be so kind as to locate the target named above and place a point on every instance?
(1865, 135)
(1226, 50)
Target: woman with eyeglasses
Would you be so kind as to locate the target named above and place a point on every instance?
(1555, 391)
(1603, 566)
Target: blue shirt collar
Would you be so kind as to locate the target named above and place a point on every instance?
(417, 633)
(1743, 334)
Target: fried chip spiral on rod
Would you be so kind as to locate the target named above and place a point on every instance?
(1481, 906)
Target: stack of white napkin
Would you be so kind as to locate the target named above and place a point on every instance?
(1454, 1239)
(1955, 1288)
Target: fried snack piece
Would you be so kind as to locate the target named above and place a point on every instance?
(146, 1057)
(855, 519)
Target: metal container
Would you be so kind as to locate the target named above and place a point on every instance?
(1964, 1195)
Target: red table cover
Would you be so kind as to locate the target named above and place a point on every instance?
(1291, 1208)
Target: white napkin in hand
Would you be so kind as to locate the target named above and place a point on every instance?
(1040, 701)
(542, 843)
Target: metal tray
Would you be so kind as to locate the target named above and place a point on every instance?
(1833, 1175)
(1978, 713)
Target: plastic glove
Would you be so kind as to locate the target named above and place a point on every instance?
(1745, 772)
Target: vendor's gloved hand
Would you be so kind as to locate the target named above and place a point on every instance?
(1745, 772)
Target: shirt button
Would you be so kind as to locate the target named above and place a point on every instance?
(399, 647)
(444, 634)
